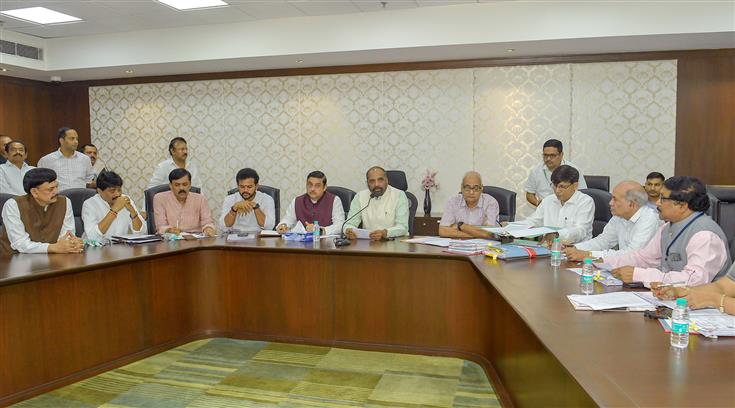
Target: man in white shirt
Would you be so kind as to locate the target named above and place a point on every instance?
(654, 182)
(109, 212)
(317, 204)
(248, 209)
(539, 184)
(90, 151)
(12, 171)
(383, 209)
(40, 221)
(73, 169)
(179, 151)
(568, 209)
(633, 224)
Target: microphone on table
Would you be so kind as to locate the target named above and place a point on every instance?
(342, 240)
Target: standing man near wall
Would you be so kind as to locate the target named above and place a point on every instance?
(98, 165)
(179, 151)
(539, 185)
(4, 139)
(73, 169)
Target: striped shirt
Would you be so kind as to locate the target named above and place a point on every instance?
(71, 172)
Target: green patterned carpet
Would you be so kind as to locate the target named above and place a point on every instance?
(219, 373)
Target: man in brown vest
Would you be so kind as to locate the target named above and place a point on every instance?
(40, 221)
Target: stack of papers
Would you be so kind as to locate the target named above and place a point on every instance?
(629, 301)
(707, 322)
(136, 239)
(435, 241)
(520, 230)
(466, 247)
(250, 236)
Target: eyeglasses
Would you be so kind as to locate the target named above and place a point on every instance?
(469, 188)
(550, 156)
(674, 200)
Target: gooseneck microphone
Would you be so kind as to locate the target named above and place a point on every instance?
(342, 240)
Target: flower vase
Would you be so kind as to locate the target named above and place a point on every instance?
(427, 203)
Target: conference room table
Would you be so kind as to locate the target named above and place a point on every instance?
(68, 317)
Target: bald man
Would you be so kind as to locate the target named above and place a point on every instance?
(466, 212)
(633, 224)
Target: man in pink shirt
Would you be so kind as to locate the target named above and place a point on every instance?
(689, 249)
(180, 210)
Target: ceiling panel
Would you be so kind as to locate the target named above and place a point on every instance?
(269, 9)
(376, 5)
(323, 8)
(429, 3)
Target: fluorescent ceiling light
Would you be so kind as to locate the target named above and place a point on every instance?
(40, 15)
(193, 4)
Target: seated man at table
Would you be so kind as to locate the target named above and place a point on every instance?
(317, 204)
(180, 210)
(719, 294)
(568, 209)
(248, 209)
(109, 212)
(40, 221)
(631, 227)
(690, 248)
(464, 213)
(384, 208)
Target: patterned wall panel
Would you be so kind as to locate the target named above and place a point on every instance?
(624, 118)
(493, 120)
(516, 110)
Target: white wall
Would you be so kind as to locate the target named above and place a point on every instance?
(615, 119)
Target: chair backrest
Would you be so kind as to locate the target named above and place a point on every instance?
(78, 196)
(397, 179)
(413, 205)
(506, 201)
(148, 198)
(271, 191)
(598, 182)
(602, 208)
(345, 195)
(3, 198)
(724, 211)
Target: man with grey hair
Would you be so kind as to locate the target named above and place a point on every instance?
(466, 212)
(633, 224)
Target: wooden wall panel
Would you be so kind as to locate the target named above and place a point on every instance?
(705, 118)
(32, 111)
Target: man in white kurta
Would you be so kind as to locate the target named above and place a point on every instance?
(12, 171)
(110, 213)
(179, 151)
(569, 210)
(385, 212)
(633, 224)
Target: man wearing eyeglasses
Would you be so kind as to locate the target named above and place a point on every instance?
(690, 248)
(568, 209)
(539, 185)
(466, 212)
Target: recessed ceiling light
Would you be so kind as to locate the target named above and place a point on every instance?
(299, 61)
(193, 4)
(510, 50)
(40, 15)
(128, 71)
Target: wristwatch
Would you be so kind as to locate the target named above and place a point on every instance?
(459, 226)
(256, 206)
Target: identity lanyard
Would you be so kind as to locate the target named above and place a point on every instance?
(679, 234)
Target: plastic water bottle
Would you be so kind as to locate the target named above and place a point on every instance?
(587, 280)
(556, 252)
(315, 234)
(680, 324)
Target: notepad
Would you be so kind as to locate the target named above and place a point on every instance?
(608, 301)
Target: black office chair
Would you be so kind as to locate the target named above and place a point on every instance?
(3, 198)
(723, 211)
(413, 205)
(506, 201)
(598, 182)
(271, 191)
(78, 196)
(602, 209)
(148, 198)
(345, 196)
(397, 179)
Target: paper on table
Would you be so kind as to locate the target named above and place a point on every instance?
(361, 233)
(518, 232)
(435, 241)
(242, 237)
(607, 278)
(650, 298)
(269, 233)
(603, 266)
(612, 300)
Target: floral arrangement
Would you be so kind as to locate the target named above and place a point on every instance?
(429, 181)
